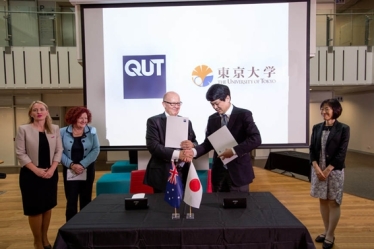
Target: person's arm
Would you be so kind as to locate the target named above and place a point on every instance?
(338, 160)
(65, 160)
(312, 147)
(253, 137)
(22, 156)
(57, 153)
(94, 152)
(206, 146)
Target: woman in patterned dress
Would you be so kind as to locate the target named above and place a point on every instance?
(328, 149)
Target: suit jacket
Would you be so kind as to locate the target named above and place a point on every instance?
(158, 166)
(336, 144)
(27, 145)
(246, 134)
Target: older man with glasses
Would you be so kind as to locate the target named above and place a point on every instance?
(158, 166)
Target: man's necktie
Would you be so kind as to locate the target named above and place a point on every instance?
(224, 119)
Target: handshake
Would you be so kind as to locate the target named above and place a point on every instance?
(186, 154)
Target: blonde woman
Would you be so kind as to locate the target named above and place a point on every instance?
(39, 150)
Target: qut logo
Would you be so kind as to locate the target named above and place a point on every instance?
(144, 76)
(136, 68)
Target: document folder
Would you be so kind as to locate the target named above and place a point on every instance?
(176, 131)
(222, 139)
(71, 176)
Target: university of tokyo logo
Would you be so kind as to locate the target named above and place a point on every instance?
(202, 75)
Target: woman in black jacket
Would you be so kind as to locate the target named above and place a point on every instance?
(328, 149)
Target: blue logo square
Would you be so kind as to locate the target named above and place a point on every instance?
(144, 76)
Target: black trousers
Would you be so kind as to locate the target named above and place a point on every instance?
(81, 190)
(222, 182)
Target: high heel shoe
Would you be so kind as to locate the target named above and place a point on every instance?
(48, 247)
(320, 238)
(328, 244)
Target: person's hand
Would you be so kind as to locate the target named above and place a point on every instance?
(40, 172)
(226, 154)
(320, 175)
(326, 172)
(77, 168)
(187, 145)
(186, 155)
(49, 173)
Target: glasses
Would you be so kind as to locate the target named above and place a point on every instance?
(173, 103)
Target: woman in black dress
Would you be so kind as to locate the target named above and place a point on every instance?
(39, 149)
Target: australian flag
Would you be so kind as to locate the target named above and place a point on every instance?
(174, 190)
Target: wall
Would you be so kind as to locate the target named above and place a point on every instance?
(358, 112)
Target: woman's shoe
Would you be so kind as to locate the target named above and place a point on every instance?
(320, 238)
(48, 247)
(327, 244)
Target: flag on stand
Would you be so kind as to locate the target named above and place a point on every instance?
(174, 191)
(194, 190)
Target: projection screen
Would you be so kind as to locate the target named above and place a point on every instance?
(135, 52)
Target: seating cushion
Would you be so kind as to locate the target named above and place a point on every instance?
(113, 183)
(123, 166)
(136, 183)
(203, 176)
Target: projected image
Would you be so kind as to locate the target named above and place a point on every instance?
(186, 50)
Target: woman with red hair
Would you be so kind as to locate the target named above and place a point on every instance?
(81, 148)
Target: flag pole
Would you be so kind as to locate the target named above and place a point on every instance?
(190, 210)
(175, 210)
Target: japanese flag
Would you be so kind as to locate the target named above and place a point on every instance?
(194, 190)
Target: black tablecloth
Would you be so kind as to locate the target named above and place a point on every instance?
(264, 224)
(291, 161)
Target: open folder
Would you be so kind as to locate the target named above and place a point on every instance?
(221, 140)
(176, 131)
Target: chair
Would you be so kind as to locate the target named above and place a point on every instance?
(123, 166)
(113, 183)
(136, 183)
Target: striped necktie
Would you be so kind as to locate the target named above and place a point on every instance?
(224, 119)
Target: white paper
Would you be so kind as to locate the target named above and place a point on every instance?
(176, 131)
(221, 140)
(138, 196)
(201, 163)
(71, 176)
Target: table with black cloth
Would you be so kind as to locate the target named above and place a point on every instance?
(264, 224)
(289, 161)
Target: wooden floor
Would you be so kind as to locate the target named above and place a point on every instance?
(355, 229)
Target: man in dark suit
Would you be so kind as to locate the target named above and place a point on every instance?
(158, 166)
(237, 174)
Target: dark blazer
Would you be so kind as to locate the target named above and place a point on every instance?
(156, 174)
(246, 134)
(336, 145)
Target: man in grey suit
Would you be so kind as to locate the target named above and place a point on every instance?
(158, 166)
(237, 174)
